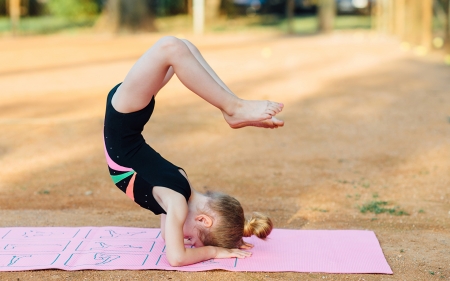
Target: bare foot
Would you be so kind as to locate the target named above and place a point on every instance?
(254, 113)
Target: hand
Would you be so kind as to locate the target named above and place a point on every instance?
(245, 245)
(223, 253)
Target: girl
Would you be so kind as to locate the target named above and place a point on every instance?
(213, 222)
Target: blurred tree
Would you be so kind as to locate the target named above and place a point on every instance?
(2, 7)
(327, 13)
(204, 11)
(73, 9)
(426, 27)
(228, 8)
(290, 7)
(29, 7)
(399, 18)
(447, 26)
(212, 10)
(198, 12)
(445, 7)
(410, 20)
(171, 7)
(127, 15)
(189, 6)
(14, 13)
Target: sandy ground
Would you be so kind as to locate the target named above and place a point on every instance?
(365, 121)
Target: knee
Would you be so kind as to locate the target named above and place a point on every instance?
(190, 45)
(171, 45)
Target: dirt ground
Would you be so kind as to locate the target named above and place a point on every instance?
(365, 121)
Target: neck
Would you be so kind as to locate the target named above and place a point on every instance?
(197, 201)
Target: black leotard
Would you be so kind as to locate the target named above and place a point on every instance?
(134, 166)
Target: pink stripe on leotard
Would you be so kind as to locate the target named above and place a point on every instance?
(130, 187)
(113, 165)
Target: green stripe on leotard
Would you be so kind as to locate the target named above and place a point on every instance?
(120, 177)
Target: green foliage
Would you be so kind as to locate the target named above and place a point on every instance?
(73, 9)
(377, 207)
(46, 25)
(2, 7)
(171, 7)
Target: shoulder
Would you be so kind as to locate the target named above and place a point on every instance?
(170, 200)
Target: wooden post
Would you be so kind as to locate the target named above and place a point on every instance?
(399, 19)
(446, 7)
(14, 13)
(189, 6)
(410, 15)
(447, 27)
(391, 17)
(212, 10)
(386, 16)
(327, 11)
(198, 10)
(382, 16)
(290, 6)
(373, 16)
(448, 21)
(426, 23)
(126, 16)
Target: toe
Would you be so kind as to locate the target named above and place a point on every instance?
(274, 108)
(271, 112)
(278, 106)
(277, 122)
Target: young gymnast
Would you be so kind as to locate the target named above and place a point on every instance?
(213, 222)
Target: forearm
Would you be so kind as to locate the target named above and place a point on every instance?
(163, 226)
(192, 255)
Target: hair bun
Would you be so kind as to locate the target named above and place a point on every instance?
(259, 225)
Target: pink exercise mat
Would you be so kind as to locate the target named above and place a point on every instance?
(109, 248)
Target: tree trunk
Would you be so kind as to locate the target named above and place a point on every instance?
(427, 25)
(189, 6)
(290, 6)
(127, 15)
(212, 10)
(383, 13)
(447, 22)
(14, 13)
(400, 19)
(198, 10)
(410, 29)
(327, 12)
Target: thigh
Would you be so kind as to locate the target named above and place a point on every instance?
(147, 76)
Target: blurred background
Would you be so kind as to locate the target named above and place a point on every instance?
(420, 24)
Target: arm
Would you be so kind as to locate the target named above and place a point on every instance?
(163, 231)
(245, 245)
(177, 254)
(163, 226)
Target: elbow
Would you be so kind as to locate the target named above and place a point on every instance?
(176, 261)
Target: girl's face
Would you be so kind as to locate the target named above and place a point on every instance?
(190, 234)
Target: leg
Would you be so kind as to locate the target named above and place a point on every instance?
(269, 123)
(205, 65)
(152, 70)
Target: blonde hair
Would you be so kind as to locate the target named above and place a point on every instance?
(230, 223)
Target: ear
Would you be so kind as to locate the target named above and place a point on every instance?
(205, 220)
